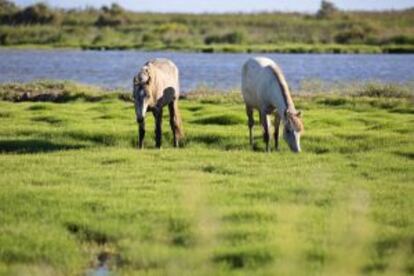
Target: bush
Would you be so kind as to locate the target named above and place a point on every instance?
(327, 10)
(87, 17)
(176, 28)
(150, 38)
(29, 35)
(113, 16)
(236, 37)
(384, 91)
(109, 20)
(7, 6)
(400, 40)
(36, 14)
(355, 34)
(7, 9)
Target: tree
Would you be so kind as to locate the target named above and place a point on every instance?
(36, 14)
(113, 16)
(327, 10)
(7, 10)
(7, 7)
(116, 9)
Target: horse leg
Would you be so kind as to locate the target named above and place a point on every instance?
(264, 119)
(276, 134)
(158, 131)
(175, 122)
(141, 133)
(250, 123)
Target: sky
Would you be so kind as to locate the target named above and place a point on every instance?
(199, 6)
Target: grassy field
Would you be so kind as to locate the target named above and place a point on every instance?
(74, 190)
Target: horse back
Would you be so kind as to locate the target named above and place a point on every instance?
(260, 88)
(166, 76)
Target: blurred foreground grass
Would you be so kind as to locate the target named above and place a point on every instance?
(74, 189)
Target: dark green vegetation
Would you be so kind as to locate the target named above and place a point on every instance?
(73, 188)
(330, 30)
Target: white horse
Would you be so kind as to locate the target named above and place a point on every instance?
(264, 88)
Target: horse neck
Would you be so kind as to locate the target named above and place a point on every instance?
(287, 102)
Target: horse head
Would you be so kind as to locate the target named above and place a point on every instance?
(142, 92)
(293, 129)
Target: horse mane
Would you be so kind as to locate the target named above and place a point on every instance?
(296, 122)
(293, 118)
(283, 85)
(149, 71)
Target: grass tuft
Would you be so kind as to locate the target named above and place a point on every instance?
(239, 258)
(384, 91)
(226, 119)
(87, 234)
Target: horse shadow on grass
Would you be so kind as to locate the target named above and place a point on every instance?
(224, 143)
(20, 146)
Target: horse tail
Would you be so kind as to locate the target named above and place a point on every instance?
(180, 130)
(179, 122)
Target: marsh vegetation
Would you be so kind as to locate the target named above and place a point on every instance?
(113, 27)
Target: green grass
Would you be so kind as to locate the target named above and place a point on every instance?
(74, 188)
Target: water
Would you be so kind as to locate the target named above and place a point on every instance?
(113, 69)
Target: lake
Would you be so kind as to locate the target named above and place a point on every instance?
(113, 69)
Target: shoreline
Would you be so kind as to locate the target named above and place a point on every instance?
(68, 91)
(230, 48)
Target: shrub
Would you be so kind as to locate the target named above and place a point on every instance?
(7, 6)
(115, 9)
(400, 40)
(150, 38)
(384, 91)
(109, 20)
(236, 37)
(29, 35)
(113, 16)
(355, 34)
(7, 9)
(327, 10)
(172, 33)
(176, 28)
(36, 14)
